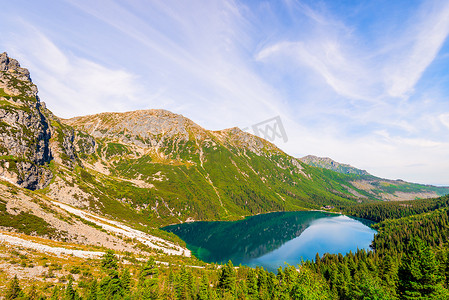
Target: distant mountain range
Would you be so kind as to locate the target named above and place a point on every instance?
(327, 163)
(155, 167)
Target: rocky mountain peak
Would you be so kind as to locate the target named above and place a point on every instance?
(161, 128)
(241, 139)
(11, 65)
(30, 135)
(144, 128)
(16, 81)
(328, 163)
(25, 130)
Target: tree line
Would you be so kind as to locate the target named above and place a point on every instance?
(409, 260)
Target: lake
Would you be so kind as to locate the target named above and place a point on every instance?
(273, 239)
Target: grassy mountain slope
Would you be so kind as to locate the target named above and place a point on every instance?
(152, 167)
(109, 181)
(327, 163)
(189, 172)
(379, 188)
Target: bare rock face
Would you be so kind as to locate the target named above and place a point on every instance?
(24, 129)
(67, 144)
(30, 135)
(11, 65)
(157, 128)
(144, 128)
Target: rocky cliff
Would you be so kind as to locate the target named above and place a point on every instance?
(31, 137)
(24, 129)
(160, 166)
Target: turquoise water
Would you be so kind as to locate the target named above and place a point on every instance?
(271, 240)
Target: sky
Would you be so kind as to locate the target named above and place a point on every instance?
(361, 82)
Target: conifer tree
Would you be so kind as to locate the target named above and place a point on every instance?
(227, 278)
(33, 295)
(262, 283)
(109, 261)
(203, 290)
(125, 281)
(251, 282)
(93, 290)
(14, 291)
(70, 293)
(55, 293)
(310, 286)
(418, 273)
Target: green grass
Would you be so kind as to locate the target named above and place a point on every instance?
(246, 184)
(3, 94)
(26, 223)
(114, 149)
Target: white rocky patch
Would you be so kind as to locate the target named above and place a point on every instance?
(128, 232)
(59, 251)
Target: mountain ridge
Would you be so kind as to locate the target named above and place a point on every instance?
(88, 185)
(330, 164)
(156, 167)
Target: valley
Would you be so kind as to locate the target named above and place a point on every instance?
(83, 199)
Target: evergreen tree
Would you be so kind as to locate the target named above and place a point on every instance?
(367, 285)
(149, 272)
(317, 261)
(262, 283)
(111, 286)
(251, 283)
(14, 291)
(203, 290)
(93, 290)
(185, 284)
(418, 273)
(109, 261)
(310, 286)
(33, 295)
(55, 293)
(125, 281)
(227, 278)
(148, 279)
(271, 284)
(70, 293)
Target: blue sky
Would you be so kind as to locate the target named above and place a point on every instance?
(362, 82)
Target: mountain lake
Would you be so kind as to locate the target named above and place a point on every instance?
(274, 239)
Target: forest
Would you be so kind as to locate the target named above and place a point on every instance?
(409, 260)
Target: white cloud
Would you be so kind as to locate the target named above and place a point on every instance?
(71, 85)
(420, 44)
(351, 70)
(444, 119)
(202, 62)
(225, 64)
(344, 74)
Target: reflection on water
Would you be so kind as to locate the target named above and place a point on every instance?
(269, 240)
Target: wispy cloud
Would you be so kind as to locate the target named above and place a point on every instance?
(342, 73)
(391, 69)
(73, 85)
(420, 44)
(353, 82)
(444, 118)
(380, 122)
(202, 62)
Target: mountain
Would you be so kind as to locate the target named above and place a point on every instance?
(150, 168)
(327, 163)
(380, 188)
(31, 136)
(71, 190)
